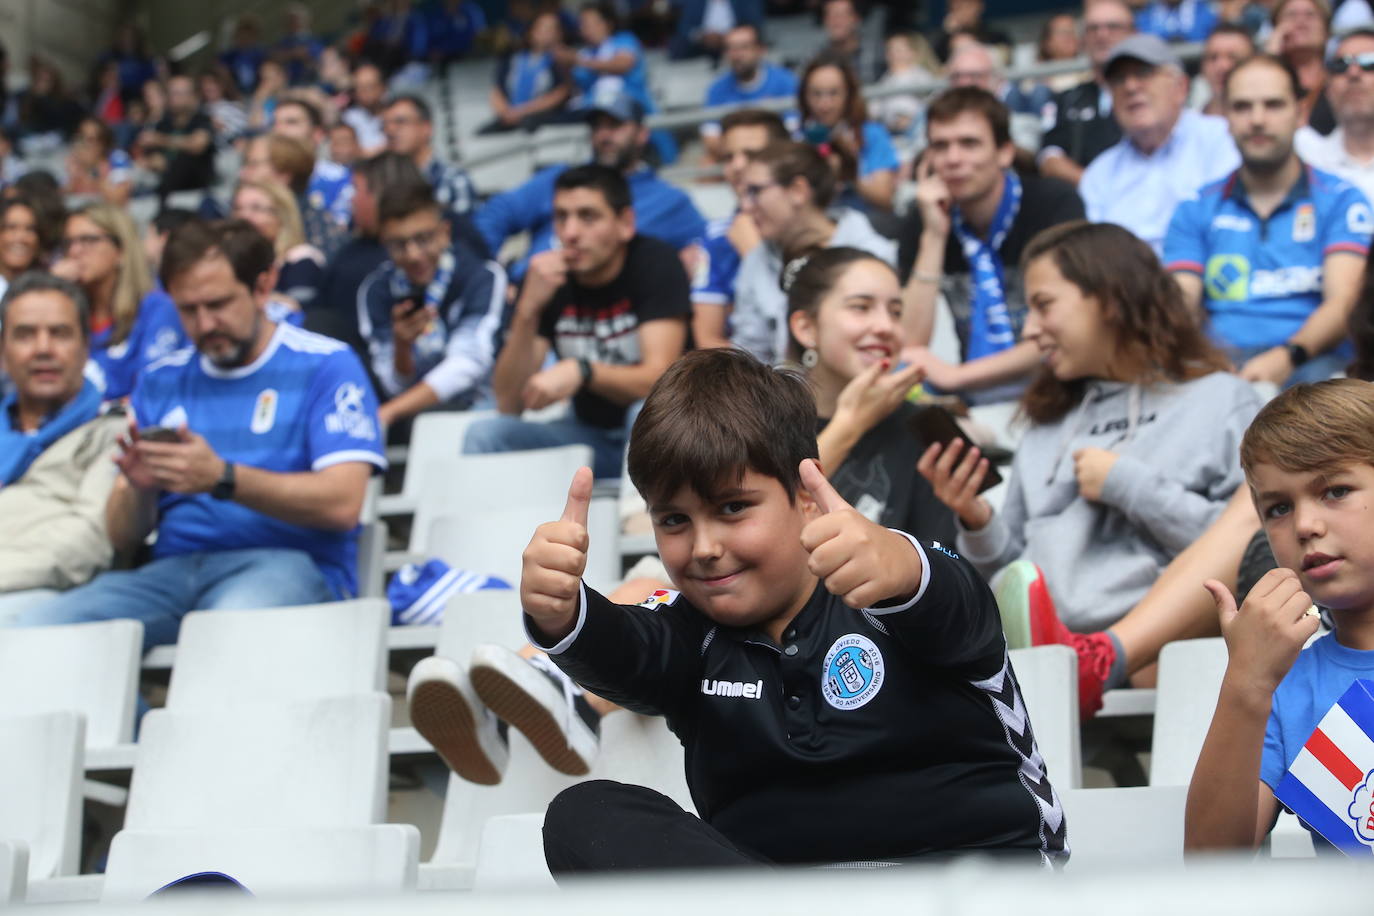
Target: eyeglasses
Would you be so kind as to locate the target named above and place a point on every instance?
(396, 247)
(1338, 65)
(84, 241)
(752, 191)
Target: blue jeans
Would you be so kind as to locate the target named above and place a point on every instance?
(512, 434)
(160, 593)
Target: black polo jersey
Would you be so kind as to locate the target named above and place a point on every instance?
(865, 736)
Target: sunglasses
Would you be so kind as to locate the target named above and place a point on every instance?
(1339, 65)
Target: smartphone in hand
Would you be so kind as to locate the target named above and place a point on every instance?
(931, 424)
(159, 434)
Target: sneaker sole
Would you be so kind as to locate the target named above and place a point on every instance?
(514, 703)
(439, 713)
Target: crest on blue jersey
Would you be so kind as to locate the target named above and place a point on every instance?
(852, 673)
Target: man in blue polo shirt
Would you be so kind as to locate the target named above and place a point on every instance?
(250, 454)
(618, 140)
(1275, 252)
(750, 78)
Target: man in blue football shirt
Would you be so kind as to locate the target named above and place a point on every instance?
(331, 184)
(750, 78)
(1274, 252)
(250, 454)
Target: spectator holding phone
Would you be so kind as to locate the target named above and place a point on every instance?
(844, 314)
(1131, 453)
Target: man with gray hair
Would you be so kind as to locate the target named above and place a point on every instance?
(1166, 151)
(55, 447)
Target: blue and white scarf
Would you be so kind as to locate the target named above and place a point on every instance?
(990, 328)
(434, 339)
(418, 594)
(19, 449)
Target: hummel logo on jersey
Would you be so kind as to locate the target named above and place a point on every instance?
(752, 691)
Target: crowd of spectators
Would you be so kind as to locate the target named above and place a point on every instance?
(1168, 249)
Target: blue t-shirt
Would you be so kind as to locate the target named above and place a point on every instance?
(1262, 278)
(331, 190)
(1189, 20)
(525, 76)
(304, 405)
(877, 153)
(635, 81)
(772, 82)
(714, 282)
(156, 332)
(1323, 671)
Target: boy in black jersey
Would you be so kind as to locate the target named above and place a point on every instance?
(842, 691)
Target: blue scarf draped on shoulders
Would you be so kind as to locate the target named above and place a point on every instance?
(18, 449)
(990, 328)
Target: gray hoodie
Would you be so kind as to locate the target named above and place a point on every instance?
(759, 319)
(1179, 448)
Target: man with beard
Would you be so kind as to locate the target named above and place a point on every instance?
(750, 78)
(1275, 251)
(618, 139)
(250, 454)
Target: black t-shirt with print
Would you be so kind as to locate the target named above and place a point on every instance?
(602, 323)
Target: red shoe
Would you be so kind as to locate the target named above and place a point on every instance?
(1029, 619)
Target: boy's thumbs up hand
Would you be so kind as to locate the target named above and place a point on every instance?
(551, 574)
(1264, 636)
(861, 563)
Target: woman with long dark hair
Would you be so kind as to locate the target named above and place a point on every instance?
(835, 120)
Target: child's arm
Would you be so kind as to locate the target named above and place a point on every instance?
(1228, 806)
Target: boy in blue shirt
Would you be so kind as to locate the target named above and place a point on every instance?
(1309, 459)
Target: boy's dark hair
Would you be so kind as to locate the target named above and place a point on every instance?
(247, 250)
(756, 117)
(405, 200)
(953, 102)
(422, 109)
(1313, 428)
(603, 178)
(716, 414)
(790, 160)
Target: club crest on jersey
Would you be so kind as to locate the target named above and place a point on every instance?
(264, 411)
(852, 673)
(1304, 223)
(659, 598)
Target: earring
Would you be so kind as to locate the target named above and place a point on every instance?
(809, 358)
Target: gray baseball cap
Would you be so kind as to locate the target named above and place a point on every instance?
(1149, 49)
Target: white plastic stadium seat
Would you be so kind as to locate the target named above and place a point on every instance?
(279, 654)
(287, 862)
(1049, 684)
(311, 763)
(1190, 673)
(435, 437)
(1141, 826)
(88, 667)
(714, 201)
(40, 792)
(14, 871)
(511, 855)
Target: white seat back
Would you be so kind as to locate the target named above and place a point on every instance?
(14, 871)
(286, 862)
(92, 668)
(1140, 827)
(435, 437)
(308, 763)
(1190, 673)
(279, 654)
(1048, 676)
(41, 761)
(511, 855)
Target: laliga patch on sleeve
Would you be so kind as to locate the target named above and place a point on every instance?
(1329, 783)
(660, 597)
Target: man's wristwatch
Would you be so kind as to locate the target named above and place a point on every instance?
(585, 366)
(224, 487)
(1297, 354)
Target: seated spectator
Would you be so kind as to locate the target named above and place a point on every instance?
(611, 305)
(703, 26)
(1227, 46)
(974, 215)
(1177, 20)
(1129, 456)
(257, 501)
(454, 26)
(1084, 125)
(1166, 153)
(365, 114)
(95, 167)
(409, 128)
(432, 314)
(1302, 29)
(21, 250)
(835, 118)
(611, 61)
(1059, 42)
(974, 65)
(133, 65)
(331, 186)
(844, 316)
(750, 77)
(55, 468)
(133, 324)
(181, 146)
(343, 145)
(271, 209)
(280, 159)
(531, 86)
(845, 39)
(399, 38)
(223, 104)
(619, 137)
(1275, 252)
(300, 48)
(107, 102)
(262, 104)
(47, 113)
(901, 114)
(1348, 151)
(1307, 461)
(44, 197)
(965, 17)
(744, 134)
(787, 193)
(245, 57)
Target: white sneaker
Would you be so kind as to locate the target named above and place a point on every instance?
(446, 710)
(533, 695)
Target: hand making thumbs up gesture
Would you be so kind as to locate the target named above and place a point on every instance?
(551, 575)
(861, 563)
